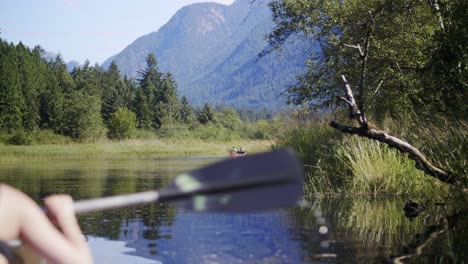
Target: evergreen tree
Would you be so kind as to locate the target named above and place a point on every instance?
(51, 102)
(59, 84)
(142, 110)
(187, 115)
(149, 82)
(86, 79)
(11, 98)
(129, 92)
(64, 78)
(113, 89)
(168, 106)
(34, 74)
(206, 114)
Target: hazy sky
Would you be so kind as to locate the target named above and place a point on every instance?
(85, 29)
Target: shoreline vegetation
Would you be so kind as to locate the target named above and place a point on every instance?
(150, 148)
(338, 164)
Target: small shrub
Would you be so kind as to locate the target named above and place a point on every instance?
(48, 137)
(19, 138)
(122, 124)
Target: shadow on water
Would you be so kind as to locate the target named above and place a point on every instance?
(358, 230)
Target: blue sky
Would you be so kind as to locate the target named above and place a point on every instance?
(85, 29)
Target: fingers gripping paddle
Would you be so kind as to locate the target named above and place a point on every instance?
(259, 181)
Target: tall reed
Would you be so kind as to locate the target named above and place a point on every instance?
(337, 163)
(374, 168)
(313, 140)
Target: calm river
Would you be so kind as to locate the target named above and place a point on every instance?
(321, 231)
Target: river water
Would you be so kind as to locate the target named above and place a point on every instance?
(359, 230)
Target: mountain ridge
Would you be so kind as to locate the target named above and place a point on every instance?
(212, 51)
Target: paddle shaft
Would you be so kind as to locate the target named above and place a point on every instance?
(124, 200)
(117, 201)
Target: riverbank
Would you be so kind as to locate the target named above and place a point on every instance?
(132, 147)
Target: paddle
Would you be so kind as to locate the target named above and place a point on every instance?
(259, 181)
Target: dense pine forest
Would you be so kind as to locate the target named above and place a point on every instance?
(91, 103)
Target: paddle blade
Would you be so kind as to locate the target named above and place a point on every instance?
(259, 181)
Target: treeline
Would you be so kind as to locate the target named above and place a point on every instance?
(90, 102)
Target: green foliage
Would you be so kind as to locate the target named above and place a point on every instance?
(187, 114)
(122, 124)
(340, 164)
(11, 99)
(168, 106)
(210, 131)
(48, 137)
(265, 129)
(385, 48)
(19, 137)
(314, 141)
(206, 114)
(228, 118)
(50, 104)
(83, 116)
(86, 79)
(115, 93)
(157, 99)
(142, 110)
(374, 168)
(444, 142)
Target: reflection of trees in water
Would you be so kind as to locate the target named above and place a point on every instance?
(374, 230)
(141, 224)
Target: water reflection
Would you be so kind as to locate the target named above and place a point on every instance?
(337, 230)
(377, 231)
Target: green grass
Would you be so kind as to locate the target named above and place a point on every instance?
(132, 147)
(374, 168)
(341, 164)
(313, 140)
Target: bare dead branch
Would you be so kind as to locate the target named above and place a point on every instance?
(378, 87)
(346, 101)
(435, 5)
(363, 130)
(355, 112)
(421, 161)
(358, 47)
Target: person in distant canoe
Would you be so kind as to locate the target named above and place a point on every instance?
(233, 151)
(241, 151)
(21, 218)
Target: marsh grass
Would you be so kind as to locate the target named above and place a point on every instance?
(150, 148)
(377, 169)
(341, 164)
(313, 140)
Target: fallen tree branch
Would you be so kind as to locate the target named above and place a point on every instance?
(363, 130)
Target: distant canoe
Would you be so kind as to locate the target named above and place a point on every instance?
(235, 155)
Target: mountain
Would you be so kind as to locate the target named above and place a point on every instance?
(51, 56)
(212, 51)
(72, 65)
